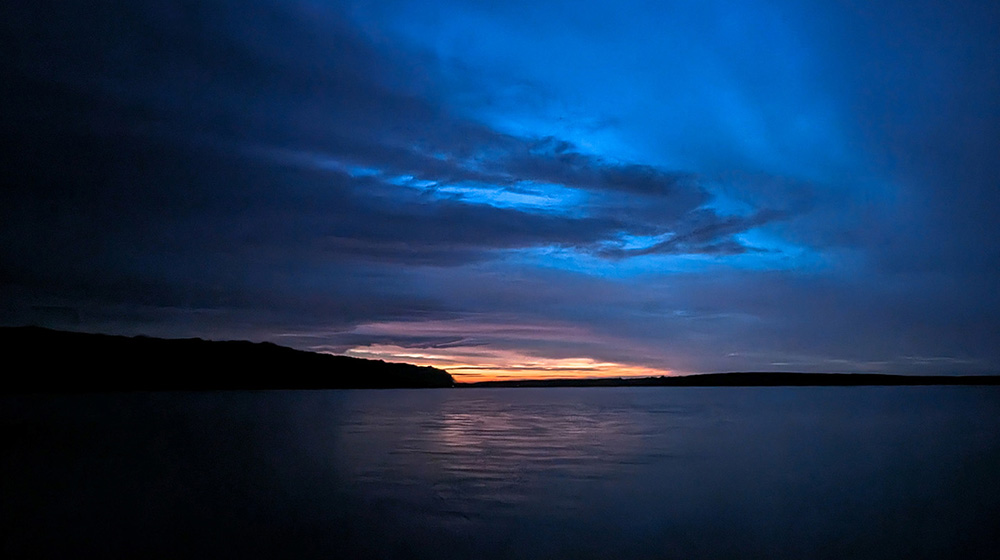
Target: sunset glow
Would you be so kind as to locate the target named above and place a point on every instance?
(472, 364)
(473, 349)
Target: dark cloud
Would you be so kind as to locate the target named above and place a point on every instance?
(707, 233)
(218, 166)
(133, 123)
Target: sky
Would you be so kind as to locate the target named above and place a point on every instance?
(512, 189)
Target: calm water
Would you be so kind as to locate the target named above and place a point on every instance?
(903, 472)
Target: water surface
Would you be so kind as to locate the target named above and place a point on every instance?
(646, 472)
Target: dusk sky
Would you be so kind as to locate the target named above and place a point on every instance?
(519, 188)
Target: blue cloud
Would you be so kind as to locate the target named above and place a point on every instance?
(711, 185)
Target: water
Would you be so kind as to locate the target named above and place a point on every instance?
(866, 472)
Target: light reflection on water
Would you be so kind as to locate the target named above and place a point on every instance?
(483, 457)
(906, 472)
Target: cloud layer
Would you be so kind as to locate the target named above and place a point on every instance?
(334, 177)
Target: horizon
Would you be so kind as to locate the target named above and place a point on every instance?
(504, 376)
(528, 190)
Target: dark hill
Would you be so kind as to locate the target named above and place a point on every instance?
(43, 360)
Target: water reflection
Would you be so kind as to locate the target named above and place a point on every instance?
(700, 473)
(902, 472)
(488, 456)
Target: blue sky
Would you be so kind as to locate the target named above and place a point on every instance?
(529, 188)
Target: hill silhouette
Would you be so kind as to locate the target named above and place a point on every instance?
(44, 360)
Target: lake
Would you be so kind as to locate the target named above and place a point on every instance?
(645, 472)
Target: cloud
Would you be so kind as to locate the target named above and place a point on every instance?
(188, 132)
(278, 167)
(707, 234)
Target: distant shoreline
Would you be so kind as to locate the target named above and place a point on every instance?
(752, 379)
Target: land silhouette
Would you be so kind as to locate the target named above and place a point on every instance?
(46, 360)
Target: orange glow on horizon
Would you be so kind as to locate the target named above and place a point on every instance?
(471, 364)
